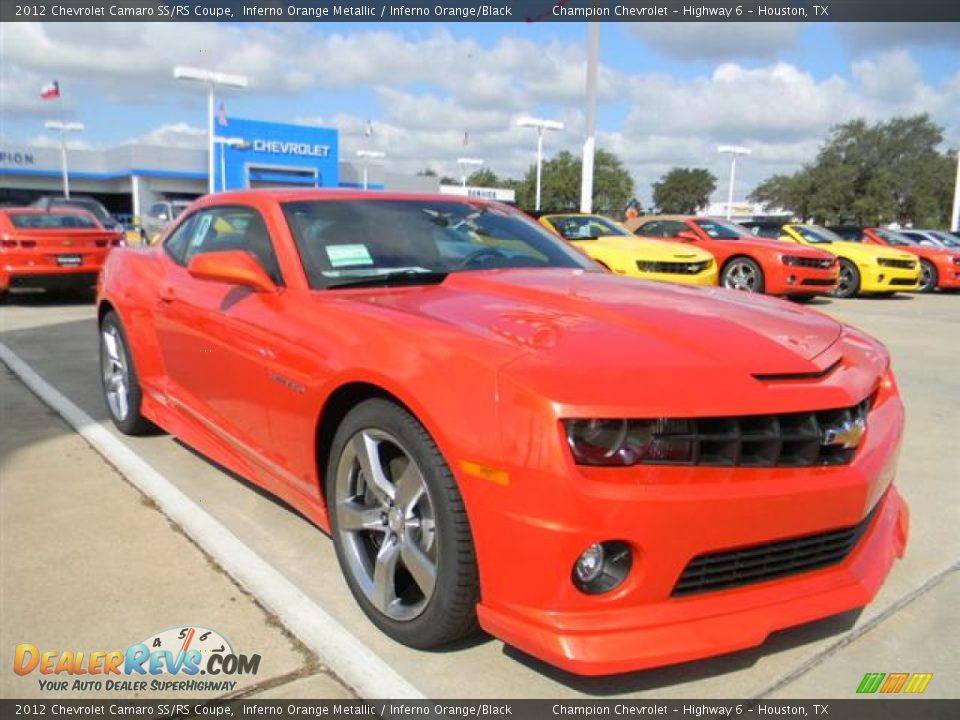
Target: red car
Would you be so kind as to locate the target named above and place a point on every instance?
(52, 249)
(747, 262)
(607, 473)
(939, 267)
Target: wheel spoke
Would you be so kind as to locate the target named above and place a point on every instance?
(410, 488)
(367, 448)
(384, 592)
(111, 345)
(421, 567)
(353, 517)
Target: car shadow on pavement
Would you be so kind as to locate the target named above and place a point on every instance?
(683, 673)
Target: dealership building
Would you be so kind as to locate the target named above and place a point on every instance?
(247, 154)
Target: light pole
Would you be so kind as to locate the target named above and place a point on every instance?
(955, 217)
(367, 156)
(733, 151)
(64, 128)
(464, 163)
(225, 142)
(540, 125)
(212, 79)
(590, 143)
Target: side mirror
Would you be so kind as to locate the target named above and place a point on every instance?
(234, 267)
(687, 236)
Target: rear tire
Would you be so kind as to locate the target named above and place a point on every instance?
(849, 283)
(403, 539)
(928, 277)
(121, 385)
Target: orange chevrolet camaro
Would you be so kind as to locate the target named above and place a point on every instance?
(606, 473)
(60, 249)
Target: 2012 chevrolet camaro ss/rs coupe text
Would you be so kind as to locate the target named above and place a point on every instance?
(607, 473)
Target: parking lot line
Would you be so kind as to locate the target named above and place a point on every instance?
(352, 661)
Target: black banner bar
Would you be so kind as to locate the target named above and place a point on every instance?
(867, 708)
(481, 10)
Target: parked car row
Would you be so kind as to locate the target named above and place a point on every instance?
(798, 261)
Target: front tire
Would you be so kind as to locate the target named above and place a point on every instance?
(121, 385)
(928, 277)
(848, 284)
(744, 274)
(400, 528)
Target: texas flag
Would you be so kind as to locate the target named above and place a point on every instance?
(50, 91)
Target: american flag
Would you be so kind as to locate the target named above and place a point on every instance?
(222, 115)
(368, 130)
(466, 137)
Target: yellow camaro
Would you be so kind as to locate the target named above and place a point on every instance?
(622, 252)
(867, 269)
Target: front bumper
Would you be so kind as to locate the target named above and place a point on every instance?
(673, 631)
(948, 275)
(706, 277)
(875, 278)
(529, 535)
(797, 280)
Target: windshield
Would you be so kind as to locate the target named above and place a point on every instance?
(349, 240)
(817, 235)
(720, 230)
(51, 221)
(586, 227)
(895, 238)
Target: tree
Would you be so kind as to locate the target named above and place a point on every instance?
(892, 171)
(560, 184)
(484, 177)
(427, 172)
(683, 191)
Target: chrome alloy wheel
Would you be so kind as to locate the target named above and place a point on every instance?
(927, 279)
(741, 276)
(115, 372)
(385, 524)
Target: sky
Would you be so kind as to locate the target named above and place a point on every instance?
(669, 93)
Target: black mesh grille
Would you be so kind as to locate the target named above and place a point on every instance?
(902, 281)
(733, 568)
(818, 282)
(673, 268)
(889, 262)
(788, 440)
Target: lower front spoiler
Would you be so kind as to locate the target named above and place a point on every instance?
(700, 626)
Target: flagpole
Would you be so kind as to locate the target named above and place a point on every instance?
(63, 162)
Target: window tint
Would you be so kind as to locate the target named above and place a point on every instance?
(585, 227)
(158, 209)
(225, 228)
(650, 229)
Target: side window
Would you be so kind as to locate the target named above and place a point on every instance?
(158, 209)
(673, 228)
(651, 229)
(176, 244)
(226, 228)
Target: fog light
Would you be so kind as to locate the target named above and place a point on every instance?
(791, 279)
(881, 277)
(602, 567)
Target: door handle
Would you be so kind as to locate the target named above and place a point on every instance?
(166, 293)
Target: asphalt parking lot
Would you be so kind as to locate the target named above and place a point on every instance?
(912, 626)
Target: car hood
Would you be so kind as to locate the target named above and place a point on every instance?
(783, 246)
(657, 250)
(568, 326)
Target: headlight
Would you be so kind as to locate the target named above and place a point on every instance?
(628, 442)
(791, 260)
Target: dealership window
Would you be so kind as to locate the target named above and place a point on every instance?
(225, 228)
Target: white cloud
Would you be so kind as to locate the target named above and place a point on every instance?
(872, 36)
(174, 135)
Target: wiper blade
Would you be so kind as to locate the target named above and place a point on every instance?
(400, 277)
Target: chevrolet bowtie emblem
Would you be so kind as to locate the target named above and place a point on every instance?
(846, 434)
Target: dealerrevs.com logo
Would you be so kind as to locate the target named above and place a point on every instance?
(170, 660)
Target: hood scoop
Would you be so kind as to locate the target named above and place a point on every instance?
(793, 377)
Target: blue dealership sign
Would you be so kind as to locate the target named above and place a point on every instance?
(252, 153)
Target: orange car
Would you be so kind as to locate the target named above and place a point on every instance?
(52, 249)
(747, 262)
(495, 432)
